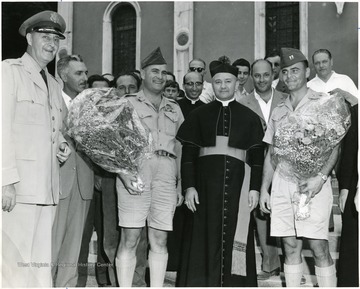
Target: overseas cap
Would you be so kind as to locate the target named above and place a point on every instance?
(290, 56)
(155, 57)
(217, 66)
(44, 22)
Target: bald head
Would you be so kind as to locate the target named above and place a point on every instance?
(262, 74)
(193, 84)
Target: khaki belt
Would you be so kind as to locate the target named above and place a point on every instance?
(222, 148)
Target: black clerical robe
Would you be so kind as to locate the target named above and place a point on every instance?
(208, 238)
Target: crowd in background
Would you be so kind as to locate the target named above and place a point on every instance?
(210, 186)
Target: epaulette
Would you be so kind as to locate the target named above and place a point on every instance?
(14, 61)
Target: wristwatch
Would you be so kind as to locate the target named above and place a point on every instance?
(324, 177)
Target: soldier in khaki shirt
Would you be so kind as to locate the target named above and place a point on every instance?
(157, 202)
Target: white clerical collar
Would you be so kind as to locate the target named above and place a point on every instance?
(193, 101)
(225, 102)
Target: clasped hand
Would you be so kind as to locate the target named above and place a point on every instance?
(63, 153)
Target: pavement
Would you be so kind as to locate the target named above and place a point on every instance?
(274, 281)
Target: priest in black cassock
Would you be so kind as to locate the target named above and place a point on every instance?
(221, 171)
(193, 86)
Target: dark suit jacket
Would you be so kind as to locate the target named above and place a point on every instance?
(77, 167)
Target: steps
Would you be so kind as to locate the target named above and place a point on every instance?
(274, 281)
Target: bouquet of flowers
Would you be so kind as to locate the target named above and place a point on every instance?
(108, 130)
(304, 142)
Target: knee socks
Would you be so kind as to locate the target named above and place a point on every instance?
(326, 276)
(157, 266)
(293, 274)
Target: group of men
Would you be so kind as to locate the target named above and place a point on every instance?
(48, 184)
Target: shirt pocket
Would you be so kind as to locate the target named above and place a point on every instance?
(171, 119)
(145, 118)
(30, 106)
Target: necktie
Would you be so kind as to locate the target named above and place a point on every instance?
(43, 74)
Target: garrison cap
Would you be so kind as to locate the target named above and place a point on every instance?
(290, 56)
(217, 66)
(155, 57)
(44, 22)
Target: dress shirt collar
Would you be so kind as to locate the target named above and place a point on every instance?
(66, 98)
(258, 97)
(333, 74)
(275, 83)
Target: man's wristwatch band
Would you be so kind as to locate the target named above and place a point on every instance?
(324, 177)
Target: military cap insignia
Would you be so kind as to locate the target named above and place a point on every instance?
(55, 18)
(291, 57)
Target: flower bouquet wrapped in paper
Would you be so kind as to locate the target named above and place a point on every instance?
(304, 142)
(109, 131)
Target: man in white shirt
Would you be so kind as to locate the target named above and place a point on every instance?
(327, 80)
(262, 101)
(199, 65)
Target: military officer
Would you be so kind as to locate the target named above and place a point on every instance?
(33, 149)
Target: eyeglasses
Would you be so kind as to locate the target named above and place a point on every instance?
(198, 69)
(191, 84)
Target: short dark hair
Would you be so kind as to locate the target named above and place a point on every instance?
(173, 84)
(272, 53)
(321, 50)
(170, 73)
(132, 74)
(241, 62)
(260, 59)
(97, 77)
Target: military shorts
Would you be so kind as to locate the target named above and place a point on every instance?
(157, 203)
(283, 208)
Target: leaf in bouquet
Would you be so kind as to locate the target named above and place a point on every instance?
(305, 141)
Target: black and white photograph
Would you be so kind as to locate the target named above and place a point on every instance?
(179, 144)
